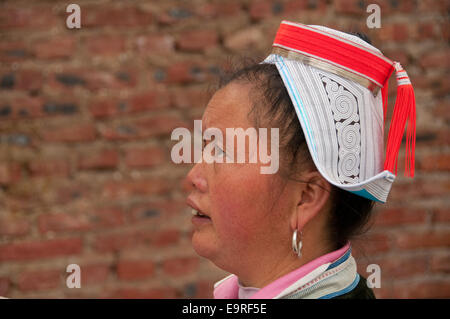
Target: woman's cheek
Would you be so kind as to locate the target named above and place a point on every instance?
(238, 204)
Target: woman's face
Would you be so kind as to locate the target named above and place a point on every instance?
(248, 211)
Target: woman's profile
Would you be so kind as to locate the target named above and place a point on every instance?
(288, 234)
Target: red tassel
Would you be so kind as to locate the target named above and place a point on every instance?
(384, 97)
(404, 110)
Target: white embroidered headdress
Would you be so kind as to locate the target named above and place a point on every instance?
(338, 86)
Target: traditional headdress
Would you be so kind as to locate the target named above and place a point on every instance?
(338, 85)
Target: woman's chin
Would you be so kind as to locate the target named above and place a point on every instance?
(203, 244)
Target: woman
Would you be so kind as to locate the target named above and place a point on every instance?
(287, 235)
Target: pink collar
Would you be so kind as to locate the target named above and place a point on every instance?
(228, 288)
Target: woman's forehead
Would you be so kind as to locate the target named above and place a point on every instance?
(229, 105)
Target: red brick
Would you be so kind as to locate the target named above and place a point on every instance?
(400, 216)
(424, 82)
(29, 80)
(436, 59)
(443, 137)
(27, 106)
(99, 16)
(13, 51)
(224, 9)
(57, 47)
(292, 6)
(160, 125)
(98, 80)
(169, 209)
(13, 226)
(423, 239)
(67, 80)
(206, 10)
(397, 55)
(395, 32)
(425, 31)
(402, 267)
(149, 101)
(155, 44)
(180, 266)
(431, 288)
(92, 79)
(49, 167)
(40, 249)
(27, 17)
(440, 262)
(197, 40)
(185, 72)
(165, 237)
(372, 243)
(434, 162)
(441, 215)
(260, 9)
(107, 217)
(190, 97)
(144, 157)
(39, 280)
(81, 221)
(63, 222)
(4, 286)
(442, 88)
(74, 133)
(429, 138)
(420, 188)
(122, 189)
(204, 289)
(71, 192)
(118, 241)
(442, 110)
(10, 173)
(405, 6)
(247, 39)
(135, 269)
(106, 107)
(349, 7)
(445, 31)
(426, 6)
(99, 160)
(94, 274)
(228, 8)
(106, 45)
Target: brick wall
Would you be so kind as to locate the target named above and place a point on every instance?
(85, 123)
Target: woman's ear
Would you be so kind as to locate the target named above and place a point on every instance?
(314, 196)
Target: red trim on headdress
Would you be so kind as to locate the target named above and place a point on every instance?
(345, 54)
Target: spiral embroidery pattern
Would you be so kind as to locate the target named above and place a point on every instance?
(345, 113)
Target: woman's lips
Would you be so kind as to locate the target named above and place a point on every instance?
(200, 221)
(195, 209)
(199, 218)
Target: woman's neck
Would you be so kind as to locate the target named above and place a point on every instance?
(264, 272)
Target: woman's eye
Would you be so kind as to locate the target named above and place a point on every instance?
(220, 151)
(217, 150)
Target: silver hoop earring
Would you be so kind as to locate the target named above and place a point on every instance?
(297, 247)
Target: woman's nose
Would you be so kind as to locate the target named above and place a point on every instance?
(195, 180)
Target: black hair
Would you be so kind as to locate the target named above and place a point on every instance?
(350, 213)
